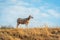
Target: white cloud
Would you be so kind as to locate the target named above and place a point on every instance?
(49, 11)
(54, 13)
(36, 1)
(22, 3)
(44, 15)
(13, 0)
(44, 7)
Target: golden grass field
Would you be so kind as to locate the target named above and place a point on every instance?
(30, 34)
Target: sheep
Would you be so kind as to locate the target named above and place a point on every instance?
(24, 21)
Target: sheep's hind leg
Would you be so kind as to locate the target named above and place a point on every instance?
(27, 26)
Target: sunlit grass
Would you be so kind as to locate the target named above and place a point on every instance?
(44, 33)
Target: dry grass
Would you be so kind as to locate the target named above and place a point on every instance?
(30, 34)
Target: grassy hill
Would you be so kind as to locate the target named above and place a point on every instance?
(30, 34)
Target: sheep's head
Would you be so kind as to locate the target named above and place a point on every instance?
(30, 16)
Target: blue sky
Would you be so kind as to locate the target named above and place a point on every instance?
(43, 11)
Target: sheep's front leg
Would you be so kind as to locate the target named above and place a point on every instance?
(17, 25)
